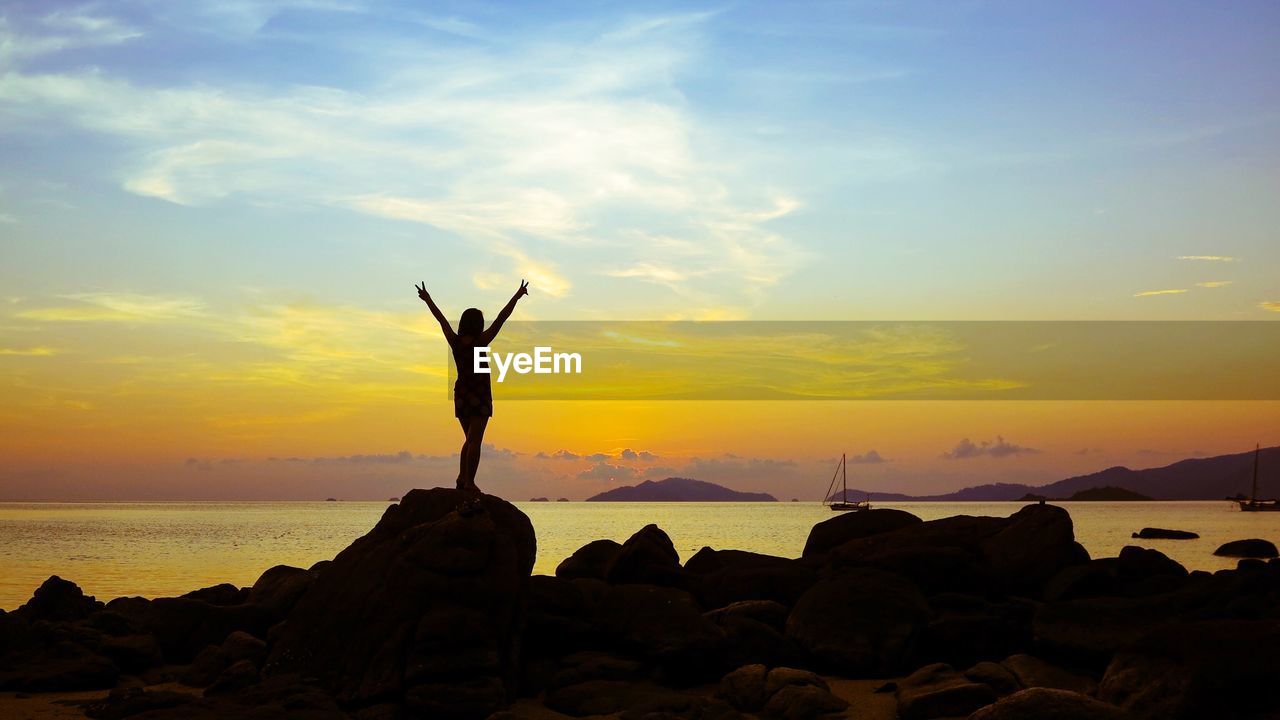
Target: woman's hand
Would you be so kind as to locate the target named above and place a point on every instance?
(524, 289)
(423, 295)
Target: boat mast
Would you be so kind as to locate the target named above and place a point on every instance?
(844, 478)
(1256, 449)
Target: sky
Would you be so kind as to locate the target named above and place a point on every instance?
(212, 215)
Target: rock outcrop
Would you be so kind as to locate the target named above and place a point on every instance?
(426, 610)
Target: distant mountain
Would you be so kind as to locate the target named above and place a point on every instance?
(678, 490)
(1107, 494)
(1196, 479)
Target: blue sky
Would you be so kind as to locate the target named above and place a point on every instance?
(835, 160)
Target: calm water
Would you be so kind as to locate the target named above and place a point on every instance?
(158, 549)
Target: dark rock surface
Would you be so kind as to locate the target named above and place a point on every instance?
(58, 599)
(861, 622)
(649, 558)
(426, 609)
(840, 529)
(1048, 704)
(589, 561)
(1147, 533)
(936, 691)
(1251, 548)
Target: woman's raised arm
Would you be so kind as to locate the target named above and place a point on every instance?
(492, 332)
(440, 318)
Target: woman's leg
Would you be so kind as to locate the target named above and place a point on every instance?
(462, 455)
(475, 440)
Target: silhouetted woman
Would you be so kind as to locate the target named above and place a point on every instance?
(472, 396)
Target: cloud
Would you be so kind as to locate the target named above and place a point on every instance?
(1209, 258)
(117, 307)
(642, 455)
(520, 151)
(1214, 283)
(870, 457)
(1151, 293)
(1272, 305)
(28, 352)
(597, 457)
(606, 471)
(559, 455)
(966, 449)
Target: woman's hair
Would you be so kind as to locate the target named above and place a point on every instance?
(471, 323)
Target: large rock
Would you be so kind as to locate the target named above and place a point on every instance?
(937, 690)
(1049, 704)
(802, 702)
(1038, 542)
(183, 626)
(662, 625)
(744, 688)
(830, 534)
(783, 582)
(1251, 548)
(57, 599)
(1033, 672)
(649, 558)
(280, 587)
(1148, 533)
(859, 622)
(58, 666)
(426, 609)
(1136, 563)
(221, 594)
(1191, 670)
(589, 561)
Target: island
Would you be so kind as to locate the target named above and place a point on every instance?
(676, 489)
(1096, 494)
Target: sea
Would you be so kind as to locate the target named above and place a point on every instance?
(157, 549)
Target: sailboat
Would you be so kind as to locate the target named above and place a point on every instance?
(1253, 504)
(843, 504)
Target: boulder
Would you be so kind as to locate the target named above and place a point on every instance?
(1164, 534)
(859, 622)
(781, 677)
(56, 667)
(590, 665)
(214, 659)
(934, 569)
(662, 625)
(1252, 548)
(560, 613)
(589, 561)
(1038, 542)
(1096, 578)
(783, 582)
(1220, 668)
(183, 626)
(937, 690)
(995, 675)
(57, 599)
(1033, 672)
(753, 633)
(649, 558)
(1048, 704)
(830, 534)
(222, 594)
(709, 560)
(744, 688)
(802, 702)
(961, 637)
(426, 609)
(1135, 563)
(280, 587)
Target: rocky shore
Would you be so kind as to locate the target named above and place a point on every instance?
(434, 614)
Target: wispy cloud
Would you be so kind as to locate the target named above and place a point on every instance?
(1272, 305)
(999, 448)
(116, 307)
(870, 457)
(1209, 258)
(518, 149)
(28, 352)
(1152, 293)
(1214, 283)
